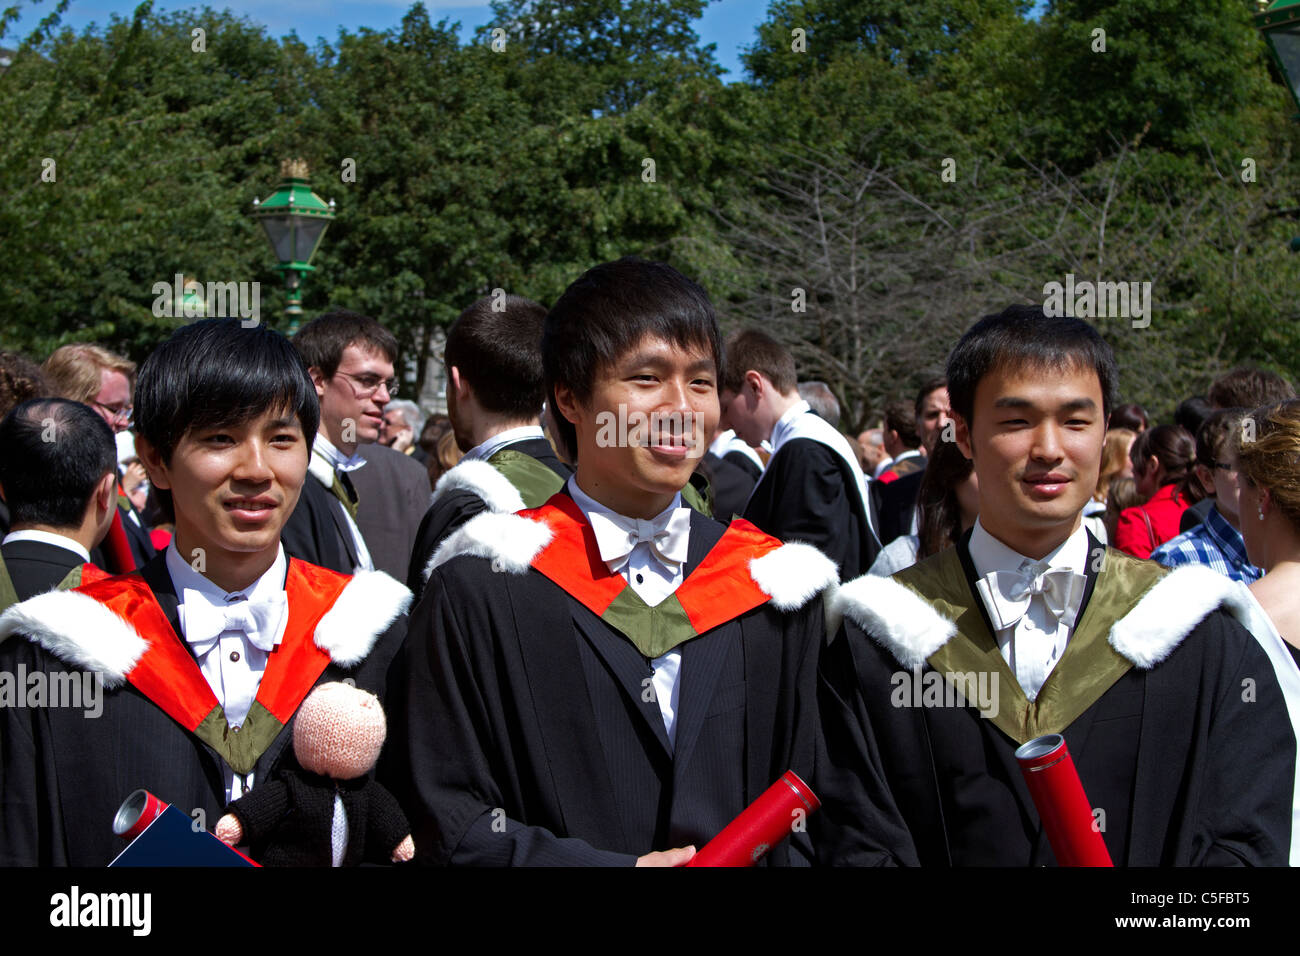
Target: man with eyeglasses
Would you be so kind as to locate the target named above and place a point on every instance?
(94, 376)
(1216, 541)
(350, 358)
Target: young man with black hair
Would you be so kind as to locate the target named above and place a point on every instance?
(812, 489)
(610, 678)
(1028, 626)
(493, 358)
(350, 358)
(204, 655)
(58, 469)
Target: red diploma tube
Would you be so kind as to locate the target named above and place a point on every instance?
(1062, 805)
(136, 813)
(765, 822)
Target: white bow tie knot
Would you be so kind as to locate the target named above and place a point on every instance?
(1009, 593)
(667, 534)
(258, 620)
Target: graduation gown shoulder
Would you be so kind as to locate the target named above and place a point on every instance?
(146, 717)
(531, 737)
(1170, 708)
(806, 494)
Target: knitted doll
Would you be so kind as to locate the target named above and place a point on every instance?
(330, 813)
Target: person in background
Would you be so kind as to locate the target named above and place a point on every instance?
(821, 400)
(435, 427)
(1162, 467)
(1115, 463)
(403, 423)
(901, 442)
(1191, 413)
(21, 379)
(94, 376)
(949, 505)
(1216, 541)
(1269, 508)
(1243, 387)
(350, 358)
(812, 489)
(895, 502)
(57, 466)
(1133, 417)
(872, 454)
(1120, 496)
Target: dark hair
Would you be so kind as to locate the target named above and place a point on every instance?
(53, 453)
(933, 385)
(322, 340)
(217, 373)
(1175, 450)
(500, 354)
(1214, 439)
(900, 418)
(1130, 416)
(20, 379)
(752, 350)
(1192, 412)
(940, 520)
(609, 309)
(1248, 387)
(1024, 336)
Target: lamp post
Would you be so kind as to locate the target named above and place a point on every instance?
(295, 219)
(1280, 24)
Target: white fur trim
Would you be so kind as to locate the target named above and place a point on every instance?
(79, 631)
(483, 480)
(1169, 611)
(793, 574)
(509, 540)
(894, 616)
(369, 603)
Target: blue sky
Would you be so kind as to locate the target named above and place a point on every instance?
(728, 23)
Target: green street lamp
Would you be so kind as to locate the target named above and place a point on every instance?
(1280, 24)
(295, 219)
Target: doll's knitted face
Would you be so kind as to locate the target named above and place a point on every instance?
(339, 731)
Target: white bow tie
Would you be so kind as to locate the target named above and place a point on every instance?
(205, 622)
(1007, 593)
(668, 536)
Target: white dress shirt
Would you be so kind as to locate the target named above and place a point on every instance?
(232, 665)
(650, 574)
(486, 449)
(49, 537)
(1033, 644)
(325, 460)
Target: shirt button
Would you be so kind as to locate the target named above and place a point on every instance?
(235, 729)
(640, 579)
(234, 655)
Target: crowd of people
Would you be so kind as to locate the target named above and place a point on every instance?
(597, 645)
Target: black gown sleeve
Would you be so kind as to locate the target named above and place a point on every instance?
(443, 517)
(803, 497)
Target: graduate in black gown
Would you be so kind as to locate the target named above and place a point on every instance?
(611, 678)
(184, 678)
(58, 467)
(812, 489)
(493, 362)
(1170, 708)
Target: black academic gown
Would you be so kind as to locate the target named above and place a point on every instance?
(453, 509)
(732, 478)
(36, 566)
(895, 504)
(317, 531)
(808, 494)
(1188, 763)
(533, 740)
(65, 770)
